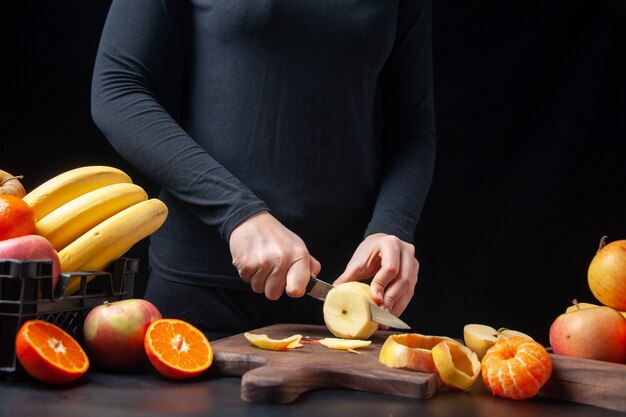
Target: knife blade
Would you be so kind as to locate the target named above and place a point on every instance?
(318, 289)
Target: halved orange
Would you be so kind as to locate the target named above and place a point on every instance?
(48, 353)
(177, 349)
(516, 368)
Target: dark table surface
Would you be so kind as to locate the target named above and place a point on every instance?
(148, 394)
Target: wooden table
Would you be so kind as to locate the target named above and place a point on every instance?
(149, 395)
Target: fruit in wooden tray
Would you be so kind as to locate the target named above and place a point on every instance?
(49, 354)
(347, 312)
(16, 217)
(607, 274)
(177, 349)
(516, 368)
(592, 333)
(10, 184)
(458, 367)
(114, 333)
(480, 337)
(411, 351)
(32, 247)
(263, 341)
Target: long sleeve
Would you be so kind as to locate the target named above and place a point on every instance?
(408, 125)
(135, 96)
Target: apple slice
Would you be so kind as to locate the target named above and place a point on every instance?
(457, 365)
(479, 337)
(411, 351)
(347, 312)
(344, 344)
(263, 341)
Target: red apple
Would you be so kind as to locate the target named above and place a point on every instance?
(114, 333)
(33, 247)
(593, 333)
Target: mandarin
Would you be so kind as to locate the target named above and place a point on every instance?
(516, 368)
(177, 349)
(48, 353)
(17, 218)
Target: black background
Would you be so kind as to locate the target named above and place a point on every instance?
(531, 119)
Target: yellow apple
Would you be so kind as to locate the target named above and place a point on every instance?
(578, 306)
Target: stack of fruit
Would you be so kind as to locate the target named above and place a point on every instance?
(83, 220)
(597, 331)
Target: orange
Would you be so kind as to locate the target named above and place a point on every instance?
(177, 349)
(17, 218)
(49, 354)
(516, 368)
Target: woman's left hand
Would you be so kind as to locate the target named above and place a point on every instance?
(393, 265)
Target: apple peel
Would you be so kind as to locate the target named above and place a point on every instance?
(411, 351)
(263, 341)
(344, 344)
(458, 366)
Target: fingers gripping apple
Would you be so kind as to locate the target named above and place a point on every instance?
(347, 312)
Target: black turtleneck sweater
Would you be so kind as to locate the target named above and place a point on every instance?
(319, 111)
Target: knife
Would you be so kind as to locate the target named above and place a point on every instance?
(318, 289)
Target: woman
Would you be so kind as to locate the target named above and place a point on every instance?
(290, 138)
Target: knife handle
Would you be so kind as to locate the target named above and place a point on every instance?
(311, 284)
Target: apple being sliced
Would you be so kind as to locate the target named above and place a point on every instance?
(347, 312)
(479, 337)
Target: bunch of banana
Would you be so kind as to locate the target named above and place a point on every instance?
(92, 216)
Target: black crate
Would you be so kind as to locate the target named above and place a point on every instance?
(26, 293)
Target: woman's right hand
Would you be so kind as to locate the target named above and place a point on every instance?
(271, 258)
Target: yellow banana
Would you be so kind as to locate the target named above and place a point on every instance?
(65, 187)
(74, 218)
(109, 240)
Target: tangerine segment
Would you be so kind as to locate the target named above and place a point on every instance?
(458, 366)
(49, 354)
(17, 218)
(177, 349)
(263, 341)
(516, 368)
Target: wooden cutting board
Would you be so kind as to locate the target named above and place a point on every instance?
(586, 381)
(281, 376)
